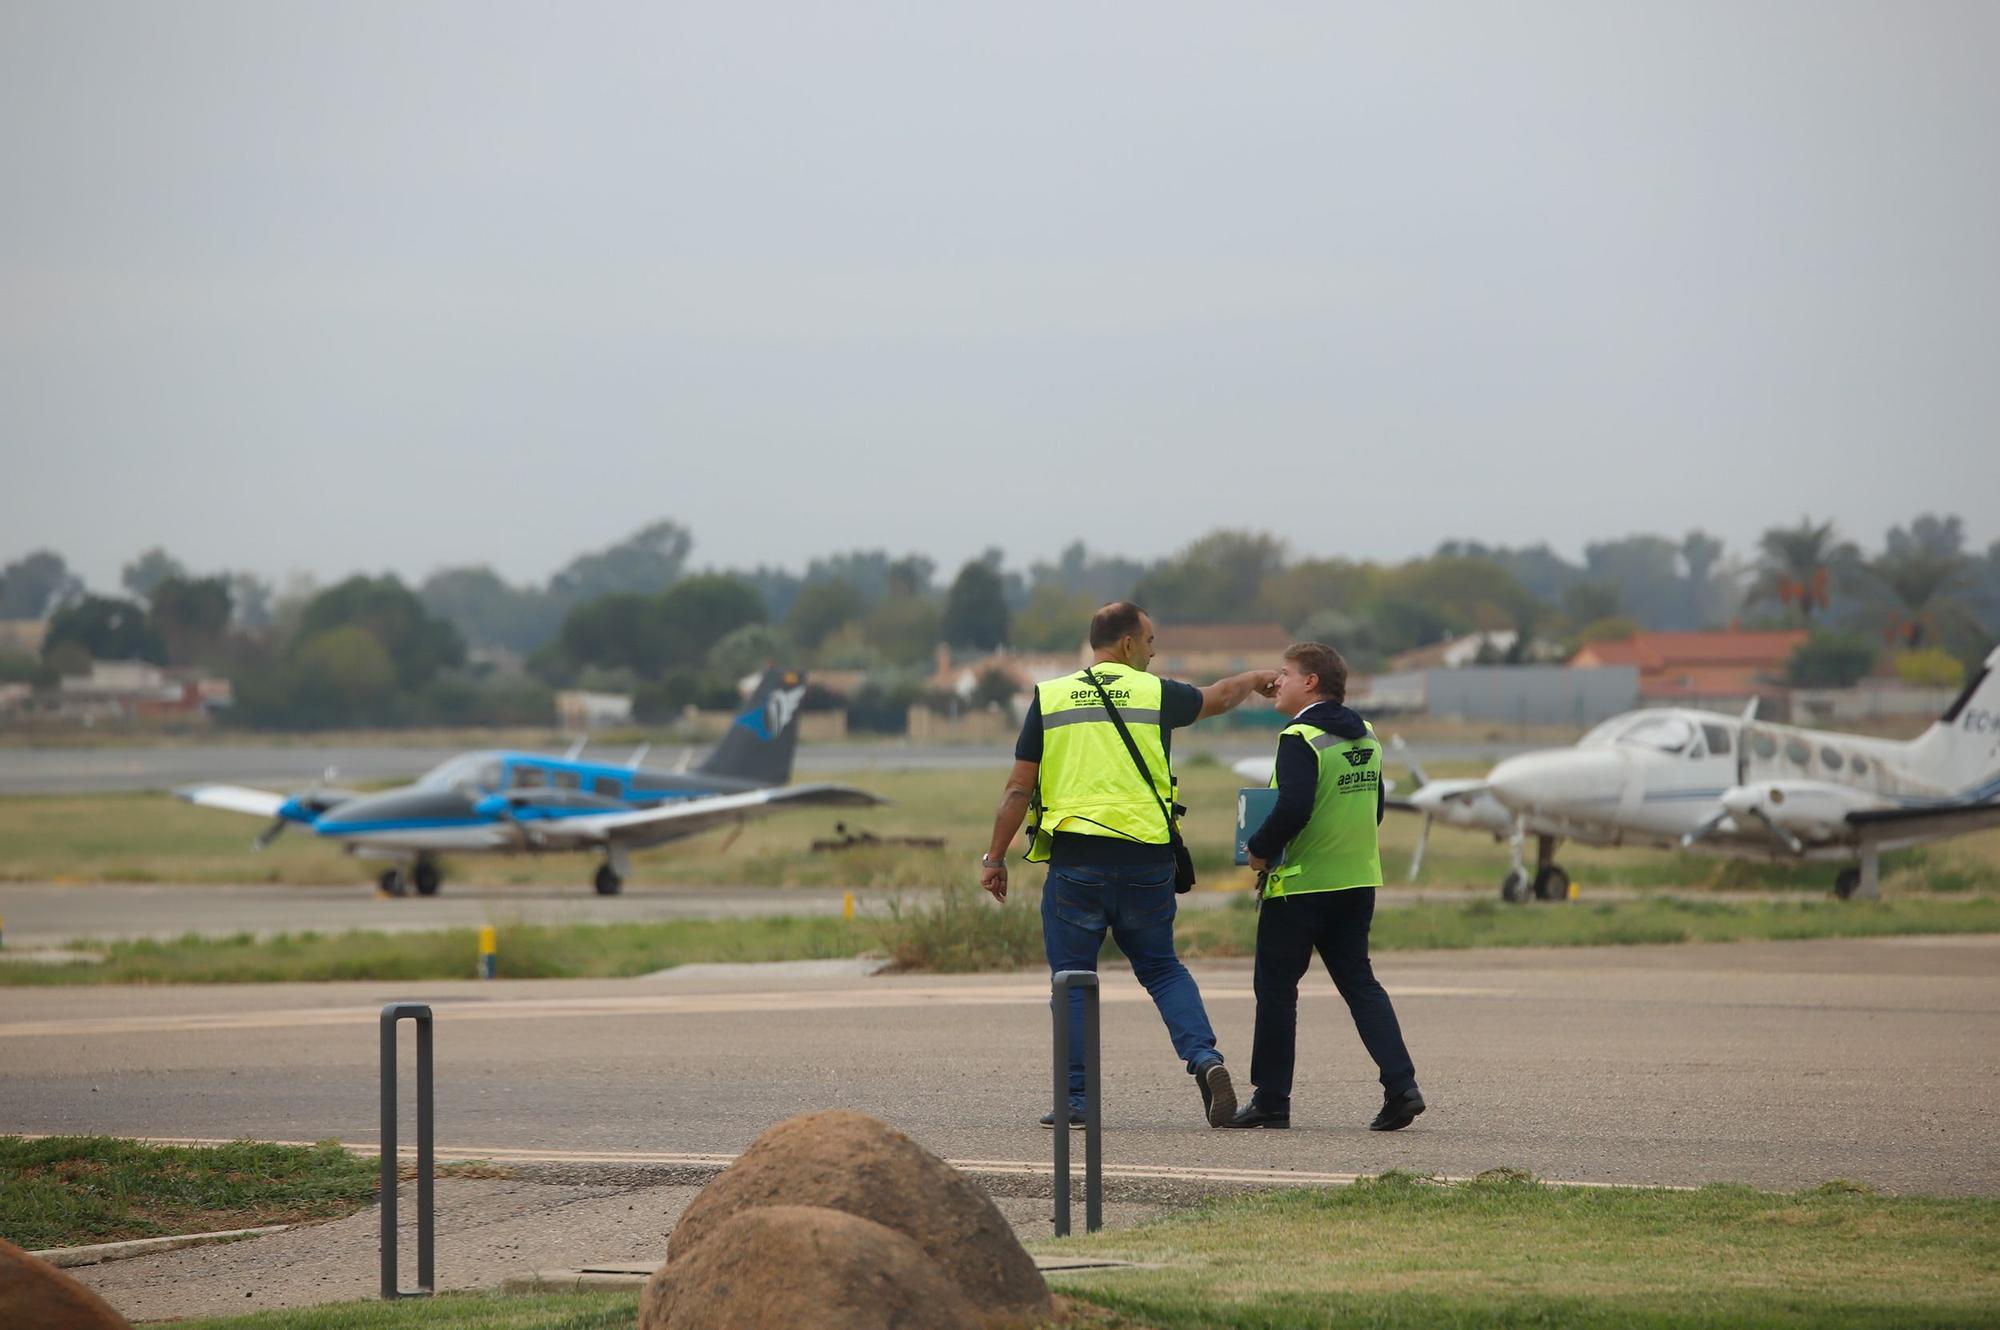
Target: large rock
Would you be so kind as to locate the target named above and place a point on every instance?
(35, 1294)
(796, 1267)
(848, 1161)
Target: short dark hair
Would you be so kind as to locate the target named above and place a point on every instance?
(1118, 619)
(1320, 659)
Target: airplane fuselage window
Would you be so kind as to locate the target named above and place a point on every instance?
(1763, 745)
(529, 778)
(1860, 765)
(568, 780)
(1718, 738)
(607, 786)
(1830, 759)
(1798, 751)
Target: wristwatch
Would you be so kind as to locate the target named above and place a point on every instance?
(988, 861)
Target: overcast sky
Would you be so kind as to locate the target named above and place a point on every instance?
(337, 286)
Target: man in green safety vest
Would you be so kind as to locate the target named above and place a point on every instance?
(1104, 832)
(1321, 898)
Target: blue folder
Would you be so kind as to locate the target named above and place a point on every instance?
(1253, 805)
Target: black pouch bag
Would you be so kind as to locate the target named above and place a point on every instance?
(1183, 861)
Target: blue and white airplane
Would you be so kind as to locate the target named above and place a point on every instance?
(532, 803)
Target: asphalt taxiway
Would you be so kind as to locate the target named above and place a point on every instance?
(1781, 1065)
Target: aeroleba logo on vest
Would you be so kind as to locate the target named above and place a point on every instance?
(1356, 757)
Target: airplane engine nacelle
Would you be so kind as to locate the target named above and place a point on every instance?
(1806, 809)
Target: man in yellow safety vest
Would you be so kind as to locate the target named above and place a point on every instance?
(1328, 775)
(1106, 831)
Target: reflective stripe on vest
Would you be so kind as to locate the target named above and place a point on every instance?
(1087, 783)
(1338, 848)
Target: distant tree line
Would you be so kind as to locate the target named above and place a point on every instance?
(467, 646)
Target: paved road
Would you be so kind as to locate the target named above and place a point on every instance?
(1777, 1064)
(91, 770)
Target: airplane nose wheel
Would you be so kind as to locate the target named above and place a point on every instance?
(1845, 883)
(1514, 886)
(607, 882)
(391, 882)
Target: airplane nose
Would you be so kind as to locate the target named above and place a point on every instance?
(1558, 781)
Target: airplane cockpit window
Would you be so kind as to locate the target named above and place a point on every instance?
(1669, 734)
(1604, 733)
(1718, 738)
(1831, 759)
(470, 770)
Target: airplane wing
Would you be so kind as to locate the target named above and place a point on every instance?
(685, 817)
(233, 798)
(1919, 824)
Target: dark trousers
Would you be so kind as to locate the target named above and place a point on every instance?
(1335, 924)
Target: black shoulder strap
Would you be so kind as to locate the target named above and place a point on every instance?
(1138, 758)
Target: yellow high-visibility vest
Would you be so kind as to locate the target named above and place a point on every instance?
(1088, 784)
(1338, 848)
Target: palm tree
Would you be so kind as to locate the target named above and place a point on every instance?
(1914, 584)
(1798, 566)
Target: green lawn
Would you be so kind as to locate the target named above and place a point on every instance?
(156, 838)
(69, 1191)
(1403, 1253)
(962, 931)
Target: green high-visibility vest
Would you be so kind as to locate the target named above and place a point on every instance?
(1338, 848)
(1088, 784)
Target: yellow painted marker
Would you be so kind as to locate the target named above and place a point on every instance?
(489, 946)
(847, 905)
(1575, 892)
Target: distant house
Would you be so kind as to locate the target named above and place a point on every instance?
(1455, 653)
(1683, 667)
(1205, 652)
(578, 711)
(959, 676)
(23, 637)
(129, 688)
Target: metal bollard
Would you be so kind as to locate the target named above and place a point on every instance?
(426, 1144)
(1093, 1135)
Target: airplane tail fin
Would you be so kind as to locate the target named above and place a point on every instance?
(761, 744)
(1961, 749)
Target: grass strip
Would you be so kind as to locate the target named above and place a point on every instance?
(69, 1191)
(1402, 1251)
(960, 931)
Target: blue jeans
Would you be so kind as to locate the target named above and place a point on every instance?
(1137, 906)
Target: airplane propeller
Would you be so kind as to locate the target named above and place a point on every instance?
(312, 800)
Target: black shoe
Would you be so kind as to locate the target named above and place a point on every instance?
(1075, 1120)
(1398, 1112)
(1256, 1115)
(1218, 1094)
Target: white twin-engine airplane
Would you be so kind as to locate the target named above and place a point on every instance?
(1737, 786)
(1673, 777)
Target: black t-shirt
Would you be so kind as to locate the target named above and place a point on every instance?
(1180, 704)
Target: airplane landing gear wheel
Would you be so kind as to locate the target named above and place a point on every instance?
(1514, 886)
(607, 882)
(427, 879)
(391, 882)
(1846, 882)
(1552, 884)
